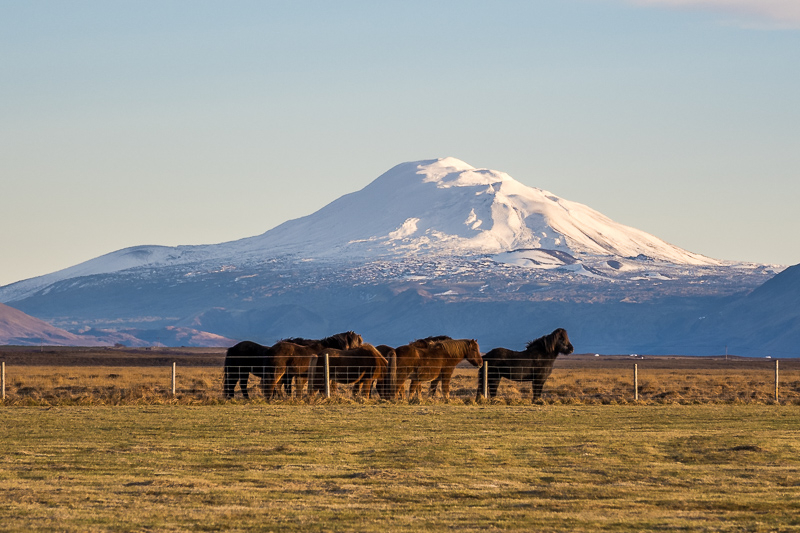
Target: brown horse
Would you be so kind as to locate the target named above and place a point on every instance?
(249, 357)
(403, 360)
(432, 359)
(360, 366)
(342, 341)
(439, 360)
(288, 357)
(535, 363)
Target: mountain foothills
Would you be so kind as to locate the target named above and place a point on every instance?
(432, 247)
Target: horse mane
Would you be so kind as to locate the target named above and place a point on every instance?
(341, 341)
(537, 345)
(427, 342)
(459, 347)
(545, 344)
(300, 340)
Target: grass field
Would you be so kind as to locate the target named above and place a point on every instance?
(400, 467)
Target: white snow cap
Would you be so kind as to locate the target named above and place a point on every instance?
(448, 206)
(437, 206)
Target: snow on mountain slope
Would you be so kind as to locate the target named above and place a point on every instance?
(439, 206)
(127, 258)
(447, 206)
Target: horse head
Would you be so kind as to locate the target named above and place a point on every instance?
(558, 342)
(354, 340)
(474, 353)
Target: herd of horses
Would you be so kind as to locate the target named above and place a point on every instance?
(298, 364)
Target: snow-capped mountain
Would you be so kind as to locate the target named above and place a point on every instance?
(428, 248)
(433, 207)
(446, 206)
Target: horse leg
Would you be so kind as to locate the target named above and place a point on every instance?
(538, 381)
(415, 389)
(229, 382)
(445, 376)
(434, 386)
(536, 389)
(300, 384)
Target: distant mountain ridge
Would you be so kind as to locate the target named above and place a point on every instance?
(20, 329)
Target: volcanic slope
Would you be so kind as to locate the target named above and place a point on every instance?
(441, 207)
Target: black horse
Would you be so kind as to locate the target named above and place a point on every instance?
(534, 364)
(249, 357)
(240, 361)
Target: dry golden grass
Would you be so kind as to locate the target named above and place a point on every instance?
(590, 383)
(398, 467)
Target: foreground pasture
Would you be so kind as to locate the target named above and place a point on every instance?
(400, 467)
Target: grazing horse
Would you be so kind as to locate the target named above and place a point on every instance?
(361, 366)
(288, 357)
(438, 360)
(249, 357)
(240, 360)
(534, 364)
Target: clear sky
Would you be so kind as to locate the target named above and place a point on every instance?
(192, 122)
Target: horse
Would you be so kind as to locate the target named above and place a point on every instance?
(240, 360)
(249, 357)
(360, 366)
(535, 363)
(342, 341)
(288, 358)
(402, 362)
(437, 361)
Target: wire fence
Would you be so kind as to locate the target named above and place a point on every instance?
(607, 380)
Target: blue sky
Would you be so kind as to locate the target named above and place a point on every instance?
(190, 122)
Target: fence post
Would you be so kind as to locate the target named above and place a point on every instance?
(173, 379)
(776, 380)
(327, 376)
(635, 381)
(485, 380)
(3, 378)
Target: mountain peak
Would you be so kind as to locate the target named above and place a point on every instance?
(437, 206)
(448, 206)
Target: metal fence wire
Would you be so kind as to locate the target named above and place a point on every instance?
(575, 380)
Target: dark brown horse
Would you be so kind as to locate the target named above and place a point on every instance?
(240, 361)
(360, 366)
(340, 341)
(287, 357)
(533, 364)
(249, 357)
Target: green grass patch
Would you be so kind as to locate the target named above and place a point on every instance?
(399, 467)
